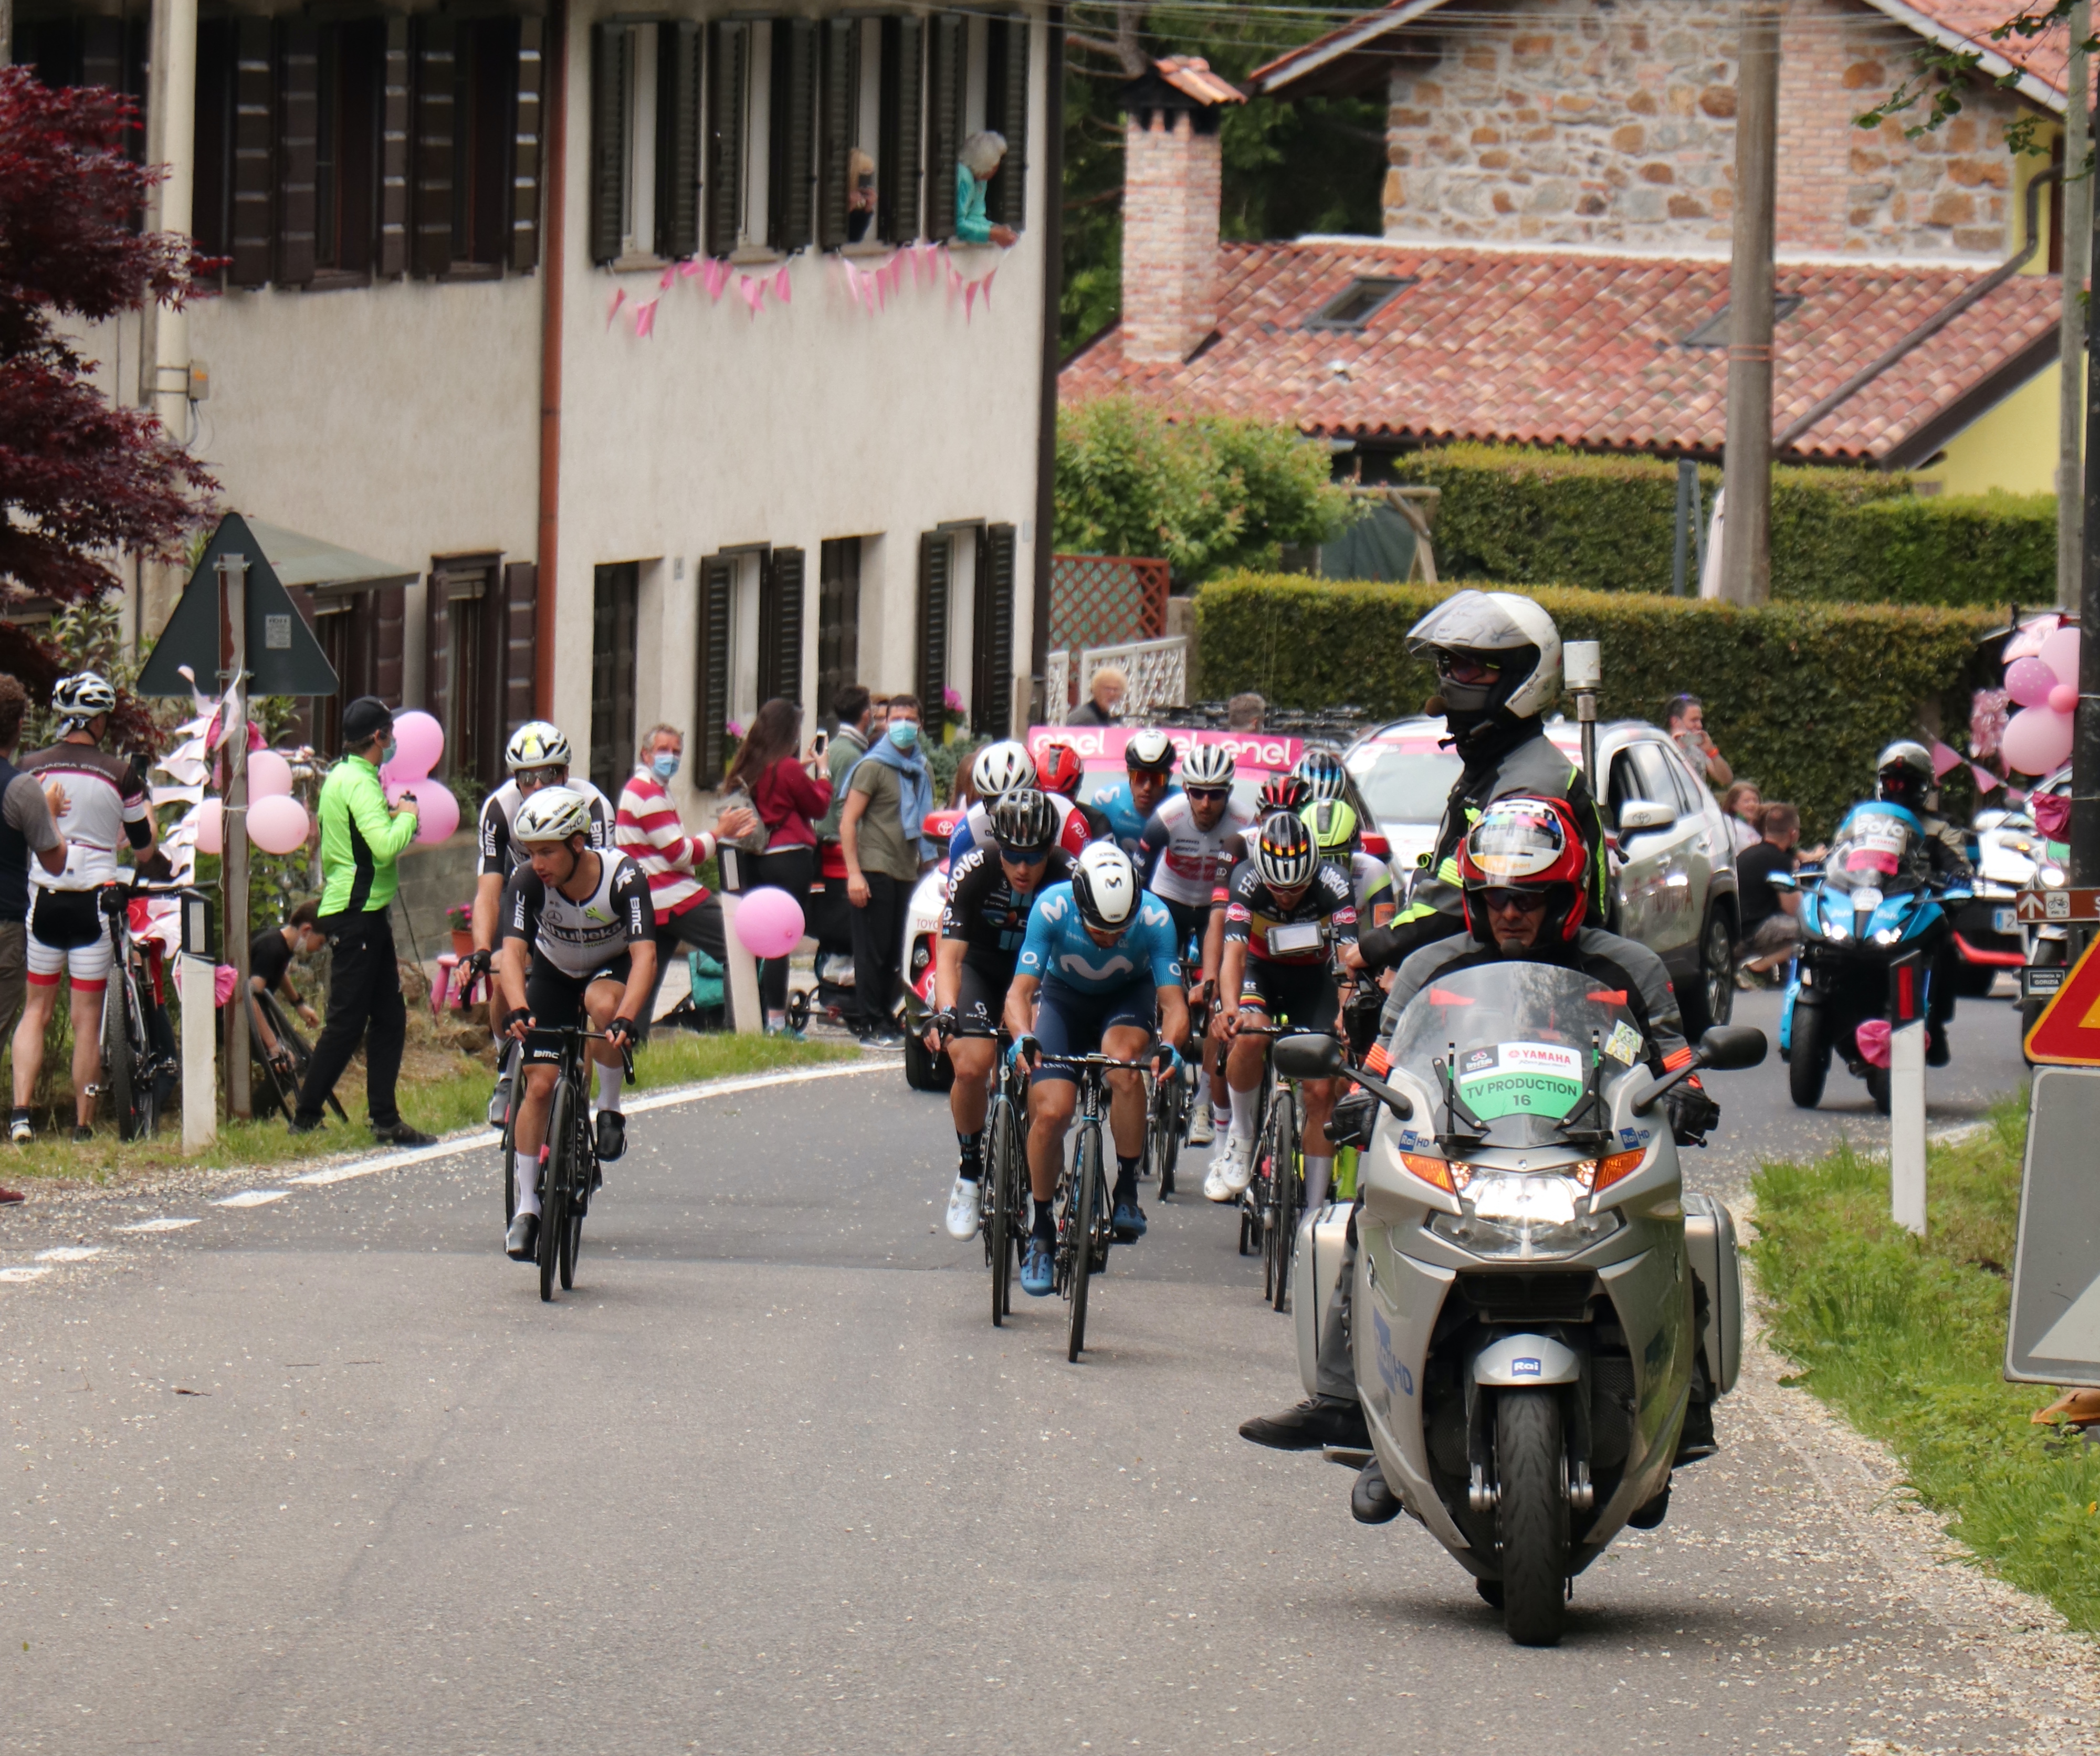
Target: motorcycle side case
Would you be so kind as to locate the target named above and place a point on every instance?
(1316, 1266)
(1709, 1243)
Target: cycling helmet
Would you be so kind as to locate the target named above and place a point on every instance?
(535, 744)
(1283, 853)
(1322, 771)
(1057, 768)
(1333, 822)
(1024, 820)
(1208, 764)
(1525, 843)
(77, 699)
(553, 813)
(1496, 654)
(1902, 773)
(1105, 887)
(1001, 768)
(1283, 792)
(1150, 751)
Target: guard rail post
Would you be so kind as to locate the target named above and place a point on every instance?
(1907, 990)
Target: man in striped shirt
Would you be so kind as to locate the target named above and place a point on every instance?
(647, 830)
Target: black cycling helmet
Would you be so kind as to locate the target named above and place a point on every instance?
(1903, 774)
(1322, 769)
(1284, 854)
(1024, 820)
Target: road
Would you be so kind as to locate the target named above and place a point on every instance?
(322, 1474)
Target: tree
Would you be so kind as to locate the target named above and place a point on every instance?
(82, 478)
(1942, 71)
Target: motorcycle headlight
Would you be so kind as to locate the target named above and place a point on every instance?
(1835, 926)
(1887, 935)
(1528, 1217)
(2052, 877)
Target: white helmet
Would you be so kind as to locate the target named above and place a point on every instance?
(553, 813)
(1490, 624)
(1150, 751)
(1208, 764)
(1105, 886)
(537, 744)
(1002, 768)
(77, 699)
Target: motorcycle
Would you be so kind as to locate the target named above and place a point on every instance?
(2007, 856)
(1540, 1316)
(1874, 902)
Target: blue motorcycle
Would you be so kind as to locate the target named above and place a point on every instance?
(1874, 901)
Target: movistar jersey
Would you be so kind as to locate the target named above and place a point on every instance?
(1114, 801)
(1059, 948)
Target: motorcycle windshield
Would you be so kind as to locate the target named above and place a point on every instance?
(1877, 848)
(1519, 1042)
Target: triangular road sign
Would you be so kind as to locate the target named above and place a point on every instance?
(284, 657)
(2067, 1033)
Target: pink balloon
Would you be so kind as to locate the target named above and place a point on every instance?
(269, 774)
(437, 811)
(2037, 740)
(2063, 699)
(211, 827)
(278, 824)
(769, 922)
(2059, 652)
(2029, 681)
(419, 742)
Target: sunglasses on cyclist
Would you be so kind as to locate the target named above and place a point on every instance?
(1025, 856)
(1208, 794)
(1462, 668)
(1501, 901)
(530, 778)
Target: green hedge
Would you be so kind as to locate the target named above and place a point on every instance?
(1799, 697)
(1838, 536)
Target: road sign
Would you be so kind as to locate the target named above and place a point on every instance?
(284, 657)
(2067, 1033)
(2053, 1336)
(2039, 981)
(2036, 908)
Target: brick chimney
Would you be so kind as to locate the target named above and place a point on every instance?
(1170, 193)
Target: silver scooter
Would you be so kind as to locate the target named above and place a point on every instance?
(1540, 1317)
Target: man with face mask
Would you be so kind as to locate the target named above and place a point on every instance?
(880, 836)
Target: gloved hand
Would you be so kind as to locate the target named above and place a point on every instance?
(622, 1032)
(478, 962)
(944, 1022)
(1165, 1059)
(1692, 1112)
(1025, 1053)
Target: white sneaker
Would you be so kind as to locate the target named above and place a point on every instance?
(962, 1210)
(1232, 1169)
(1201, 1132)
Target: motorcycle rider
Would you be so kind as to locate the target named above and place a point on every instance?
(1903, 776)
(1524, 889)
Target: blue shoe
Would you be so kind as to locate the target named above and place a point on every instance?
(1037, 1275)
(1128, 1222)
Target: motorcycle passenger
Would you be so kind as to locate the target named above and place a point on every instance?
(996, 770)
(1148, 761)
(1099, 971)
(982, 923)
(579, 943)
(1287, 908)
(1903, 776)
(1524, 885)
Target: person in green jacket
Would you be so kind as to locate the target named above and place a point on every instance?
(975, 166)
(361, 839)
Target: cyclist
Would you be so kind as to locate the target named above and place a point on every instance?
(998, 769)
(1059, 774)
(1286, 908)
(579, 939)
(1322, 770)
(1148, 761)
(982, 924)
(100, 805)
(1340, 842)
(1100, 957)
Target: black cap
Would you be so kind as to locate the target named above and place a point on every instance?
(365, 719)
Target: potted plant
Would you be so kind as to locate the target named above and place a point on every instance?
(460, 918)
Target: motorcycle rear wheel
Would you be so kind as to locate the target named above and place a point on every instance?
(1531, 1510)
(1877, 1086)
(1808, 1057)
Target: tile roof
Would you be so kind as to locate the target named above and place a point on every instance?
(1546, 348)
(1191, 75)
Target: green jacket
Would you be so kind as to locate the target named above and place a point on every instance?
(361, 839)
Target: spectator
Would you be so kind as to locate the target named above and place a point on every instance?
(270, 955)
(1244, 712)
(860, 194)
(1771, 933)
(647, 830)
(361, 841)
(975, 166)
(880, 833)
(1105, 698)
(1745, 810)
(1686, 721)
(26, 828)
(788, 791)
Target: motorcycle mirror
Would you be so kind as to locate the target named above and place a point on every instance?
(1784, 881)
(1310, 1055)
(1964, 895)
(1637, 817)
(1730, 1048)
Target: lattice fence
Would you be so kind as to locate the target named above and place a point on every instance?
(1107, 600)
(1156, 673)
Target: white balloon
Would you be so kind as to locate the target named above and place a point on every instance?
(210, 819)
(269, 775)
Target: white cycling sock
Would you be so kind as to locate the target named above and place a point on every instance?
(610, 1081)
(1242, 1113)
(1319, 1173)
(525, 1167)
(1202, 1083)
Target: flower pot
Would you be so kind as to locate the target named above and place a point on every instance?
(462, 942)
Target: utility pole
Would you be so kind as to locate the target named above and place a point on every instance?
(2084, 830)
(1746, 473)
(171, 144)
(2074, 247)
(233, 591)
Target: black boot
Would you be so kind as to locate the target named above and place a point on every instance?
(1309, 1425)
(1372, 1501)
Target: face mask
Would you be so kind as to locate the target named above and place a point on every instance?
(386, 752)
(905, 736)
(665, 765)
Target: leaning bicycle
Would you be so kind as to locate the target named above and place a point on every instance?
(138, 1063)
(568, 1167)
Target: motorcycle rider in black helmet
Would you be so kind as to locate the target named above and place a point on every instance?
(1902, 775)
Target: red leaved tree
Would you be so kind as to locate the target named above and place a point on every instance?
(81, 477)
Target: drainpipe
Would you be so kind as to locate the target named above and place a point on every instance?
(553, 264)
(171, 118)
(1052, 233)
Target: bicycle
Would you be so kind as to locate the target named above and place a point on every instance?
(286, 1079)
(1275, 1194)
(1004, 1186)
(1083, 1231)
(135, 1066)
(569, 1175)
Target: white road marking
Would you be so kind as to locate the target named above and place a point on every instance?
(69, 1253)
(164, 1223)
(252, 1198)
(14, 1276)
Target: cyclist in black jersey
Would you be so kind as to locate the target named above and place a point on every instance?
(983, 922)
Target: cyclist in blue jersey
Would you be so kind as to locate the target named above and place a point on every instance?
(1129, 804)
(1099, 969)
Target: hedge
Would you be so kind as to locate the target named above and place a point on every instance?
(1838, 536)
(1800, 697)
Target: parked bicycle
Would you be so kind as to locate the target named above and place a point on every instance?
(286, 1071)
(139, 1065)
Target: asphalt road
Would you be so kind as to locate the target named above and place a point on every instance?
(323, 1474)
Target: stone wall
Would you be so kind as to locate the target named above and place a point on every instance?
(1584, 121)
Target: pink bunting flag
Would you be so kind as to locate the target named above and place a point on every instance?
(718, 276)
(1943, 758)
(612, 310)
(985, 285)
(969, 298)
(689, 267)
(851, 275)
(664, 280)
(645, 318)
(1984, 778)
(753, 292)
(782, 290)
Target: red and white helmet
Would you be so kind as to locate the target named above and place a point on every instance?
(1058, 770)
(1527, 843)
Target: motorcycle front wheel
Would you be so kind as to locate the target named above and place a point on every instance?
(1532, 1510)
(1808, 1057)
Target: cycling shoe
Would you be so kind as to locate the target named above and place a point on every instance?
(1037, 1275)
(962, 1210)
(1128, 1222)
(522, 1242)
(1201, 1130)
(611, 1134)
(1232, 1169)
(499, 1104)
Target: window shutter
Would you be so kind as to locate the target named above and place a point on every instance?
(791, 191)
(897, 173)
(780, 627)
(298, 122)
(608, 140)
(991, 679)
(436, 35)
(525, 147)
(213, 197)
(726, 55)
(393, 153)
(102, 53)
(1006, 114)
(438, 658)
(936, 560)
(717, 584)
(390, 606)
(678, 140)
(839, 84)
(944, 122)
(521, 599)
(254, 138)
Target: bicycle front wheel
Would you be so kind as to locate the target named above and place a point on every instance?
(1290, 1194)
(554, 1195)
(999, 1150)
(583, 1162)
(1088, 1197)
(120, 1070)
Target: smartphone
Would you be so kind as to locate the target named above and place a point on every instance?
(819, 744)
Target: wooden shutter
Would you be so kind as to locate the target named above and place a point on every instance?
(212, 201)
(780, 627)
(944, 122)
(936, 566)
(728, 47)
(896, 171)
(790, 183)
(521, 597)
(255, 140)
(991, 670)
(525, 150)
(394, 152)
(436, 36)
(438, 658)
(1006, 114)
(711, 712)
(838, 621)
(838, 87)
(102, 53)
(389, 616)
(299, 122)
(608, 141)
(678, 140)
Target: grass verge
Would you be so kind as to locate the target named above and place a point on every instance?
(1906, 1337)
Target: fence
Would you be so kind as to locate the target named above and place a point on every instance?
(1155, 672)
(1105, 600)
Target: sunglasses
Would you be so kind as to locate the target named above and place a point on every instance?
(1501, 901)
(1029, 856)
(1461, 669)
(530, 778)
(1210, 794)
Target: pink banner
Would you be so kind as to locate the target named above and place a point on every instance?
(718, 276)
(781, 289)
(1984, 778)
(969, 298)
(1102, 747)
(753, 292)
(645, 318)
(985, 284)
(612, 310)
(689, 268)
(664, 280)
(1943, 758)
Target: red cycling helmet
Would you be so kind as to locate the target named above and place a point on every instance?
(1057, 768)
(1284, 792)
(1527, 843)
